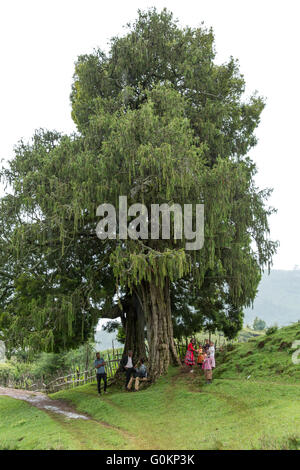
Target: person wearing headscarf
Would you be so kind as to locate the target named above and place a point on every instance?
(189, 357)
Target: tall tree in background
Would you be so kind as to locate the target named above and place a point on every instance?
(259, 324)
(159, 122)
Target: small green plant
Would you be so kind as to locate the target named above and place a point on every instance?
(271, 330)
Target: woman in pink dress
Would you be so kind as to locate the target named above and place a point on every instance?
(189, 357)
(207, 367)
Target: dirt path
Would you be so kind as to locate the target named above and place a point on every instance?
(43, 402)
(146, 440)
(62, 408)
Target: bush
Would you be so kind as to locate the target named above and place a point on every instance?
(46, 365)
(271, 330)
(6, 370)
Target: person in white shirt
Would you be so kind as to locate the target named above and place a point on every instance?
(127, 364)
(212, 354)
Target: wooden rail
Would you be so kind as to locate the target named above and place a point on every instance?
(80, 378)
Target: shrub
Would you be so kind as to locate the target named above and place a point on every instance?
(6, 371)
(271, 330)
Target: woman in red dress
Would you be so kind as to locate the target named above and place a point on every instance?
(189, 357)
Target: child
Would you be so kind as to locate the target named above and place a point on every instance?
(212, 354)
(201, 355)
(206, 345)
(207, 367)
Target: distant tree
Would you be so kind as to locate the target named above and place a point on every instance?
(259, 324)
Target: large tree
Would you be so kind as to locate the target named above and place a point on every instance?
(160, 122)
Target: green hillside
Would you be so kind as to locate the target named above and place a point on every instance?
(268, 357)
(278, 298)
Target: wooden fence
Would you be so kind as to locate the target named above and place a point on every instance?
(80, 378)
(73, 379)
(24, 382)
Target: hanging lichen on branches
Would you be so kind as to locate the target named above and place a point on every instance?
(161, 123)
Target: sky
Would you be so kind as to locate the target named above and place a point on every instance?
(40, 41)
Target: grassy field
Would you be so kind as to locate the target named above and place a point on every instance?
(180, 411)
(266, 357)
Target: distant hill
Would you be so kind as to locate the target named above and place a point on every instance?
(278, 299)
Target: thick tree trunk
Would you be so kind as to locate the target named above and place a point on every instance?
(135, 328)
(157, 309)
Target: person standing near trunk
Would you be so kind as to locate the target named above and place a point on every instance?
(127, 364)
(101, 374)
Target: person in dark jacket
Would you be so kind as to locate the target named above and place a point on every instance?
(128, 366)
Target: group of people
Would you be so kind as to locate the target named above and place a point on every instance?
(136, 373)
(205, 357)
(133, 373)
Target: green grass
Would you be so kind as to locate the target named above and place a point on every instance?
(180, 411)
(23, 426)
(267, 357)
